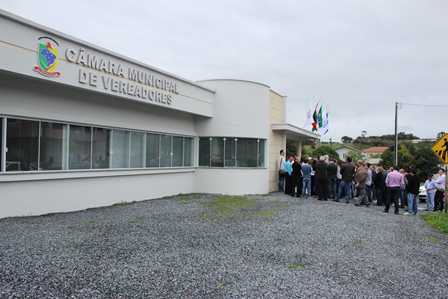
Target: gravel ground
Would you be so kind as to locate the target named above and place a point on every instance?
(274, 247)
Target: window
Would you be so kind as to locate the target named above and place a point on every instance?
(178, 151)
(22, 145)
(261, 152)
(217, 154)
(230, 152)
(52, 149)
(34, 145)
(165, 151)
(204, 151)
(120, 149)
(101, 148)
(188, 151)
(80, 147)
(152, 150)
(1, 143)
(247, 151)
(137, 149)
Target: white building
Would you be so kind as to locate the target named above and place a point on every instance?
(81, 126)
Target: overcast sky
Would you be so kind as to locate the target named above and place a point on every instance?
(356, 57)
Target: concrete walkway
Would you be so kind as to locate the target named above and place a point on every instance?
(200, 246)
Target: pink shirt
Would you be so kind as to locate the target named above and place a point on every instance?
(394, 179)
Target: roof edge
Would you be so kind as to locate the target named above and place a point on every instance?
(236, 80)
(29, 23)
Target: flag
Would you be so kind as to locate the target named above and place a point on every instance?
(314, 124)
(324, 129)
(308, 119)
(320, 117)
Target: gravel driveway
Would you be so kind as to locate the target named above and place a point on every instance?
(192, 246)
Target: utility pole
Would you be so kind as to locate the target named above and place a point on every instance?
(396, 134)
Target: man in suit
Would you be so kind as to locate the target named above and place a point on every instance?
(322, 179)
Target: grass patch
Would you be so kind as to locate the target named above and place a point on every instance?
(433, 240)
(88, 222)
(296, 266)
(438, 220)
(185, 198)
(228, 206)
(122, 203)
(137, 220)
(240, 207)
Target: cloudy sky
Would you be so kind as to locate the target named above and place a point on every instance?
(356, 57)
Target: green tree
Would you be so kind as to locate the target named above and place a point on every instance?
(325, 150)
(346, 139)
(419, 156)
(356, 156)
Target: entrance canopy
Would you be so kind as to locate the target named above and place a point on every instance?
(295, 133)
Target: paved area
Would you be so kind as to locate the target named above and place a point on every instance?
(198, 247)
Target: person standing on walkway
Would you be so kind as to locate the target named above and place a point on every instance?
(440, 185)
(369, 182)
(296, 173)
(380, 186)
(332, 179)
(403, 198)
(322, 179)
(347, 172)
(281, 171)
(306, 174)
(412, 190)
(430, 187)
(313, 163)
(288, 177)
(361, 180)
(338, 180)
(394, 181)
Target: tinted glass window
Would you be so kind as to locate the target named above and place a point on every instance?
(22, 145)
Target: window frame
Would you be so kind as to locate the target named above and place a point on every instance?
(260, 141)
(3, 146)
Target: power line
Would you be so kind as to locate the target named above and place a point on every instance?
(424, 105)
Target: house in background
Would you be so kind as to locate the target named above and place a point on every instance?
(373, 154)
(345, 151)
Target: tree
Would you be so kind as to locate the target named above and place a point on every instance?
(418, 156)
(346, 139)
(291, 148)
(325, 150)
(356, 156)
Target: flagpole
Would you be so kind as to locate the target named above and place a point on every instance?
(396, 134)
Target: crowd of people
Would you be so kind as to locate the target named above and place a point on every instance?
(360, 183)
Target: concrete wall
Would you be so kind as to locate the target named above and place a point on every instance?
(60, 191)
(18, 54)
(241, 110)
(26, 198)
(39, 99)
(232, 181)
(277, 141)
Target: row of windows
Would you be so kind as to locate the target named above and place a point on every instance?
(231, 152)
(40, 145)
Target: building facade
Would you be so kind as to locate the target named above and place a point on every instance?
(81, 127)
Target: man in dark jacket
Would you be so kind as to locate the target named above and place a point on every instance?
(332, 179)
(412, 190)
(347, 172)
(379, 181)
(321, 175)
(296, 178)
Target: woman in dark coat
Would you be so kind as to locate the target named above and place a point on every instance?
(296, 175)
